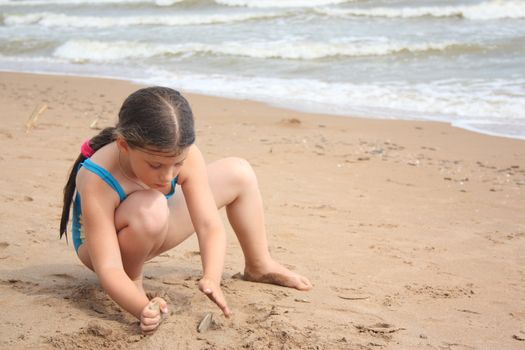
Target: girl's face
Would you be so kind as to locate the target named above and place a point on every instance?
(155, 169)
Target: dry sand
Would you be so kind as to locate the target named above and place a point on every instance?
(413, 233)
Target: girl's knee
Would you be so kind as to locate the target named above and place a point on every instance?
(145, 211)
(241, 172)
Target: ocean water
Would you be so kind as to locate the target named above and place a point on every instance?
(461, 61)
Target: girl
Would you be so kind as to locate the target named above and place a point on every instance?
(126, 210)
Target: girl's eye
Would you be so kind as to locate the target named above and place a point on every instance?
(156, 166)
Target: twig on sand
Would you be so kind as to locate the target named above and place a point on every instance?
(31, 122)
(94, 125)
(351, 298)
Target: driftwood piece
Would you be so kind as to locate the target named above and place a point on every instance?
(31, 122)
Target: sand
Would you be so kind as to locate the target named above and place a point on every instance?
(413, 233)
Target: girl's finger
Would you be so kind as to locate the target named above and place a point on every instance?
(163, 307)
(150, 320)
(148, 313)
(218, 299)
(224, 307)
(226, 311)
(148, 328)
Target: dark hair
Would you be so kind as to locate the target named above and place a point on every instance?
(155, 118)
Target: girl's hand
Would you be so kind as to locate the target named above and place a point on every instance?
(214, 292)
(152, 315)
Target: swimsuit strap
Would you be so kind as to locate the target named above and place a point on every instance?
(104, 175)
(172, 192)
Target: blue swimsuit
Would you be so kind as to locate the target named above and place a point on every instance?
(78, 229)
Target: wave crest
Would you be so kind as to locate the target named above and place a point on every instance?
(280, 3)
(86, 50)
(49, 19)
(87, 2)
(484, 11)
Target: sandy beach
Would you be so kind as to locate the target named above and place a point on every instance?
(413, 233)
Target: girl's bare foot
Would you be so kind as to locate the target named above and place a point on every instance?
(275, 273)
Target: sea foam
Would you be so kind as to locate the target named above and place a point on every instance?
(87, 2)
(49, 19)
(280, 3)
(483, 11)
(450, 100)
(100, 51)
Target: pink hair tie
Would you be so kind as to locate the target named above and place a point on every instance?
(86, 149)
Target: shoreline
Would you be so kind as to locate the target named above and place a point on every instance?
(411, 231)
(283, 106)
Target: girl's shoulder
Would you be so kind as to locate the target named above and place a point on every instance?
(192, 157)
(98, 171)
(194, 164)
(104, 158)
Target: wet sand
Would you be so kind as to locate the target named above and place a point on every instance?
(413, 233)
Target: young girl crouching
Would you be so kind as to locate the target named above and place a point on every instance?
(126, 210)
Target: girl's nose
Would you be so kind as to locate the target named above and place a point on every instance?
(168, 175)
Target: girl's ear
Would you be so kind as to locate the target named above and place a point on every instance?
(122, 144)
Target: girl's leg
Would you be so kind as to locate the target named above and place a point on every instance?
(142, 224)
(234, 185)
(141, 221)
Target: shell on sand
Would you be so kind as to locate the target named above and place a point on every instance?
(205, 323)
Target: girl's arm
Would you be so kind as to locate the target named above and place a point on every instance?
(207, 223)
(98, 211)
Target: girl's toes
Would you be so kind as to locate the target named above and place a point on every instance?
(305, 284)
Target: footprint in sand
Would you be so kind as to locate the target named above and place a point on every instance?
(349, 293)
(178, 301)
(381, 330)
(515, 235)
(93, 298)
(96, 335)
(24, 157)
(64, 276)
(25, 287)
(8, 199)
(277, 294)
(260, 313)
(441, 292)
(97, 329)
(6, 134)
(291, 122)
(3, 246)
(192, 254)
(392, 301)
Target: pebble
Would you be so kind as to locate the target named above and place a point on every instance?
(302, 300)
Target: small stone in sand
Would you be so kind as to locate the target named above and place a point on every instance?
(302, 300)
(155, 306)
(518, 337)
(293, 121)
(238, 276)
